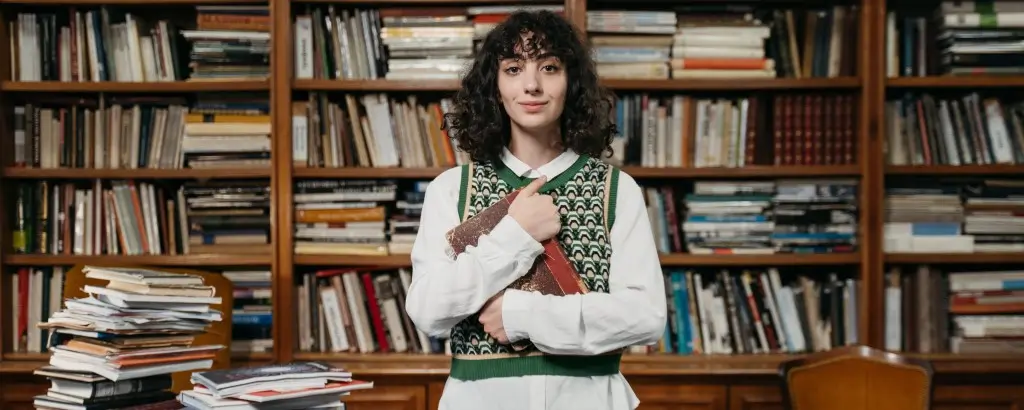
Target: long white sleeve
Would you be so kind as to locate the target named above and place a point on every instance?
(444, 290)
(631, 313)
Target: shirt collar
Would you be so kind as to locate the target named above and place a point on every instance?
(561, 163)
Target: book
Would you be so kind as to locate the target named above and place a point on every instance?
(304, 385)
(551, 274)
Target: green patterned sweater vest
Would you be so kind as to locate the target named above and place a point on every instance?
(585, 196)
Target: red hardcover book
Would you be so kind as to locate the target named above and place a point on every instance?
(551, 274)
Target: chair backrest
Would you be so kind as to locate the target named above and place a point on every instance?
(856, 378)
(218, 333)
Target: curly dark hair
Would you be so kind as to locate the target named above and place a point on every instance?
(477, 120)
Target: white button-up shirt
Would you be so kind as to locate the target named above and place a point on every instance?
(444, 291)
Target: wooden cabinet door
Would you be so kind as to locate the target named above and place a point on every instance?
(755, 397)
(680, 397)
(389, 397)
(978, 398)
(17, 395)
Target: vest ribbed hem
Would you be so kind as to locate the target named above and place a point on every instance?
(539, 365)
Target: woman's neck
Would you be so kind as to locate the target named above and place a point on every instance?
(535, 149)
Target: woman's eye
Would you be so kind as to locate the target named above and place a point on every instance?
(550, 68)
(512, 70)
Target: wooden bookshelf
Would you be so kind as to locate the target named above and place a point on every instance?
(415, 380)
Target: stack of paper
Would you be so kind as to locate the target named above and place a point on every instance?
(121, 343)
(307, 385)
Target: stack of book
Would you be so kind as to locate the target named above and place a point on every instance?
(230, 43)
(721, 45)
(974, 42)
(729, 218)
(815, 216)
(632, 44)
(342, 217)
(225, 131)
(118, 346)
(303, 385)
(226, 217)
(404, 224)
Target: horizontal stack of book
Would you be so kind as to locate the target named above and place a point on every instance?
(342, 217)
(302, 385)
(632, 44)
(230, 43)
(118, 346)
(930, 309)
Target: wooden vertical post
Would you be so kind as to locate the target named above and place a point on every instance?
(281, 180)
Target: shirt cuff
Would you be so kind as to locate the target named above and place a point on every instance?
(515, 312)
(509, 235)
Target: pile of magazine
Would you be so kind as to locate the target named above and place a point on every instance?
(302, 385)
(117, 347)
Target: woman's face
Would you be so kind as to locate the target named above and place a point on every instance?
(532, 91)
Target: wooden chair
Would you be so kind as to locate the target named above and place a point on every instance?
(856, 378)
(218, 333)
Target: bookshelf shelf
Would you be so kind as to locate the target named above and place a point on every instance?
(153, 260)
(751, 84)
(635, 172)
(955, 258)
(669, 260)
(955, 169)
(124, 87)
(956, 81)
(187, 173)
(375, 85)
(666, 85)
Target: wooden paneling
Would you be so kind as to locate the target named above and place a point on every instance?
(755, 397)
(980, 397)
(389, 397)
(680, 397)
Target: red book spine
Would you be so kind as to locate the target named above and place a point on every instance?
(375, 317)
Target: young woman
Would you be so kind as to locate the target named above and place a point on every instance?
(531, 113)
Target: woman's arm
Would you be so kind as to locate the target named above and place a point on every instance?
(632, 313)
(444, 290)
